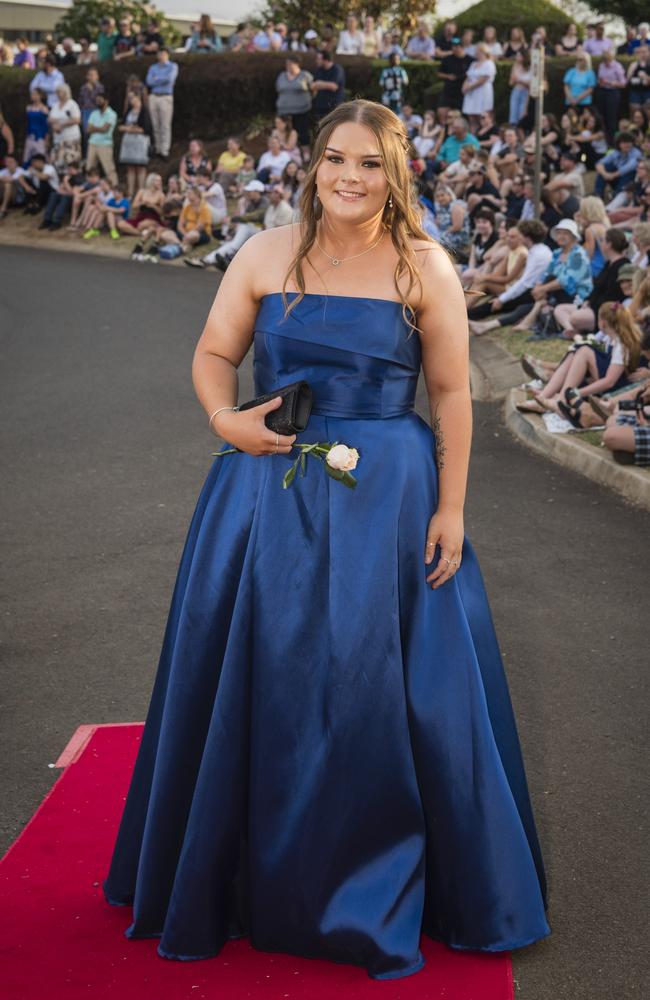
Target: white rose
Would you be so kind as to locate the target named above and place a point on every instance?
(343, 458)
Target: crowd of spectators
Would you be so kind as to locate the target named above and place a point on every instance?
(576, 270)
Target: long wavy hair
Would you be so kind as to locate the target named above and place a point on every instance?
(627, 331)
(402, 220)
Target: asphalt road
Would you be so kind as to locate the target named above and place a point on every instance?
(105, 448)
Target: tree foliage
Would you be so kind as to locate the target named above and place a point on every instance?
(505, 14)
(83, 18)
(631, 11)
(316, 13)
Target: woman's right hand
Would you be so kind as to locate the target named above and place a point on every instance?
(246, 430)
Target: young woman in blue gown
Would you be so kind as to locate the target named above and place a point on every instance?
(330, 763)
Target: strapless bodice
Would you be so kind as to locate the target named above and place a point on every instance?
(355, 352)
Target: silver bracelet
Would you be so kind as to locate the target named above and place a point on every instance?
(219, 411)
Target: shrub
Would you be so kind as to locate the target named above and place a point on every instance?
(505, 14)
(221, 94)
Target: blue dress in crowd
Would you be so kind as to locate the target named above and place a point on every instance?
(330, 762)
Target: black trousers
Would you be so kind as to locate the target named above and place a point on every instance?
(608, 103)
(484, 310)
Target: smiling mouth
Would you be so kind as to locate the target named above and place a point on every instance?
(350, 195)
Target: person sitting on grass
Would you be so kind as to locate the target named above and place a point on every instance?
(247, 223)
(146, 210)
(15, 188)
(568, 275)
(602, 365)
(97, 197)
(627, 430)
(509, 270)
(194, 223)
(214, 197)
(83, 192)
(114, 208)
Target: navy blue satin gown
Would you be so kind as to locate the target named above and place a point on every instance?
(330, 762)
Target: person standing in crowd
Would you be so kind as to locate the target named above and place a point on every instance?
(206, 38)
(161, 79)
(68, 56)
(268, 39)
(517, 43)
(393, 81)
(421, 45)
(478, 86)
(153, 41)
(638, 78)
(569, 43)
(24, 59)
(371, 39)
(101, 126)
(453, 71)
(607, 98)
(293, 86)
(87, 100)
(125, 41)
(86, 57)
(579, 82)
(350, 41)
(48, 79)
(520, 77)
(490, 39)
(444, 40)
(135, 146)
(328, 85)
(106, 39)
(598, 45)
(65, 126)
(38, 126)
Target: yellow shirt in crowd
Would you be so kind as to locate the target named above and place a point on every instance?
(231, 163)
(192, 218)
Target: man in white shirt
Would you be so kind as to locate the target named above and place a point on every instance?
(517, 297)
(15, 188)
(44, 179)
(48, 79)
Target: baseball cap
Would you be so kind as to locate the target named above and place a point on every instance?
(627, 272)
(254, 186)
(311, 34)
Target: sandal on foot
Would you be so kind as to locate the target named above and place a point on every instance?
(598, 408)
(531, 406)
(573, 416)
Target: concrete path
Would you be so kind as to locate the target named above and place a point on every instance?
(105, 450)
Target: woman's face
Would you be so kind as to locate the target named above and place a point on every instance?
(484, 227)
(443, 196)
(352, 186)
(61, 95)
(292, 68)
(563, 238)
(626, 289)
(565, 122)
(195, 148)
(502, 230)
(292, 168)
(135, 102)
(429, 118)
(637, 118)
(233, 146)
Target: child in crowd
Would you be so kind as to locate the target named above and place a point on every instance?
(108, 211)
(37, 126)
(82, 196)
(243, 177)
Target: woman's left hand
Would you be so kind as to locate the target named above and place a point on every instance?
(445, 530)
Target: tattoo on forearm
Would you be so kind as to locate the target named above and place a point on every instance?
(441, 447)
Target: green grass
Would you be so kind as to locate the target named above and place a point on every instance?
(516, 343)
(592, 437)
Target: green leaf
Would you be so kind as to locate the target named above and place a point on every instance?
(334, 473)
(349, 480)
(303, 462)
(289, 477)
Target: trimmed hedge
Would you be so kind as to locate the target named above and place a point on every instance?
(222, 94)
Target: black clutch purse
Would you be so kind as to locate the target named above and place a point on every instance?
(292, 416)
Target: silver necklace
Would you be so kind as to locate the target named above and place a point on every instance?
(335, 261)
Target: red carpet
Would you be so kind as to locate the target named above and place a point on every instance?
(60, 939)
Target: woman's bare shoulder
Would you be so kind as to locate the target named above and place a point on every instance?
(268, 255)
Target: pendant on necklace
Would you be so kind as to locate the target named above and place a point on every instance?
(335, 262)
